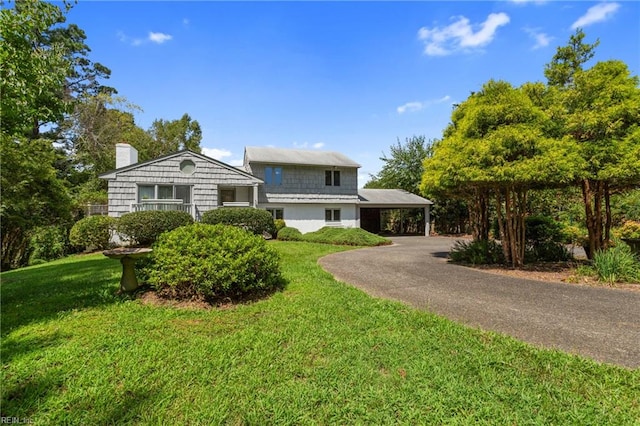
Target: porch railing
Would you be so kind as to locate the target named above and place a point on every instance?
(161, 205)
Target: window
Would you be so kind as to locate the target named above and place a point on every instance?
(332, 178)
(227, 195)
(273, 175)
(187, 167)
(164, 192)
(332, 215)
(276, 213)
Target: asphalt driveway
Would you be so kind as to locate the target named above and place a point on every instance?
(600, 323)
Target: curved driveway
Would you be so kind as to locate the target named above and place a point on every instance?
(600, 323)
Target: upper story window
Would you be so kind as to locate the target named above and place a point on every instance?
(332, 177)
(273, 175)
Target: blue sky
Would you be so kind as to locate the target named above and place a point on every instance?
(341, 76)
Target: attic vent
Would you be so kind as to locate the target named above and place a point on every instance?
(187, 167)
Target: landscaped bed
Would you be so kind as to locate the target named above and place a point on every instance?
(318, 352)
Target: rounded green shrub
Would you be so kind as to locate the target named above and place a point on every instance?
(257, 221)
(289, 234)
(345, 237)
(279, 224)
(212, 261)
(144, 228)
(93, 232)
(47, 243)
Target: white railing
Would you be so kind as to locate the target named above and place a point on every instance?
(236, 204)
(161, 205)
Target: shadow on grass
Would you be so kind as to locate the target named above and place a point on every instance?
(122, 405)
(38, 293)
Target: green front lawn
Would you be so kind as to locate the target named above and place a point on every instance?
(319, 352)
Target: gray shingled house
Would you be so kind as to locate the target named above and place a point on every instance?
(308, 189)
(183, 180)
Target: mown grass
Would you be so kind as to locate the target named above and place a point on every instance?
(319, 352)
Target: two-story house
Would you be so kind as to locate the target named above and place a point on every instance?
(308, 189)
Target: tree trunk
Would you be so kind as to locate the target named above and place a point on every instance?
(593, 192)
(607, 203)
(479, 214)
(502, 226)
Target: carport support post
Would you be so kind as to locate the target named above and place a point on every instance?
(427, 221)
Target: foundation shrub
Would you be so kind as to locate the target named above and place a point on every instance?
(256, 221)
(144, 228)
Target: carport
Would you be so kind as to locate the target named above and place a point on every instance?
(393, 211)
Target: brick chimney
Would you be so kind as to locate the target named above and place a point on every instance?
(126, 155)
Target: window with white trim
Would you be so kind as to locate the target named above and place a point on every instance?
(332, 177)
(332, 215)
(164, 192)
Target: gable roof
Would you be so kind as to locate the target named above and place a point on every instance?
(255, 154)
(112, 173)
(390, 197)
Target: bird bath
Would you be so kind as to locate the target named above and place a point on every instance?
(127, 257)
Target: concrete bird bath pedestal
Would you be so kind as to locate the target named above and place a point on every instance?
(127, 257)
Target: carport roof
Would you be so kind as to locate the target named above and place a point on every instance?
(390, 198)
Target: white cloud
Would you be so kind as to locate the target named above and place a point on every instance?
(598, 13)
(416, 106)
(541, 39)
(216, 153)
(410, 107)
(159, 37)
(460, 35)
(237, 162)
(318, 145)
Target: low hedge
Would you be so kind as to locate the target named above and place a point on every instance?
(93, 232)
(289, 234)
(256, 221)
(144, 228)
(211, 262)
(337, 236)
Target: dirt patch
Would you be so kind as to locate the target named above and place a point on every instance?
(564, 272)
(151, 297)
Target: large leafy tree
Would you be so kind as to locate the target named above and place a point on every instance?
(45, 67)
(499, 145)
(173, 135)
(598, 108)
(403, 167)
(95, 126)
(32, 195)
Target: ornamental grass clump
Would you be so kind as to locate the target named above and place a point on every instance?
(211, 262)
(617, 264)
